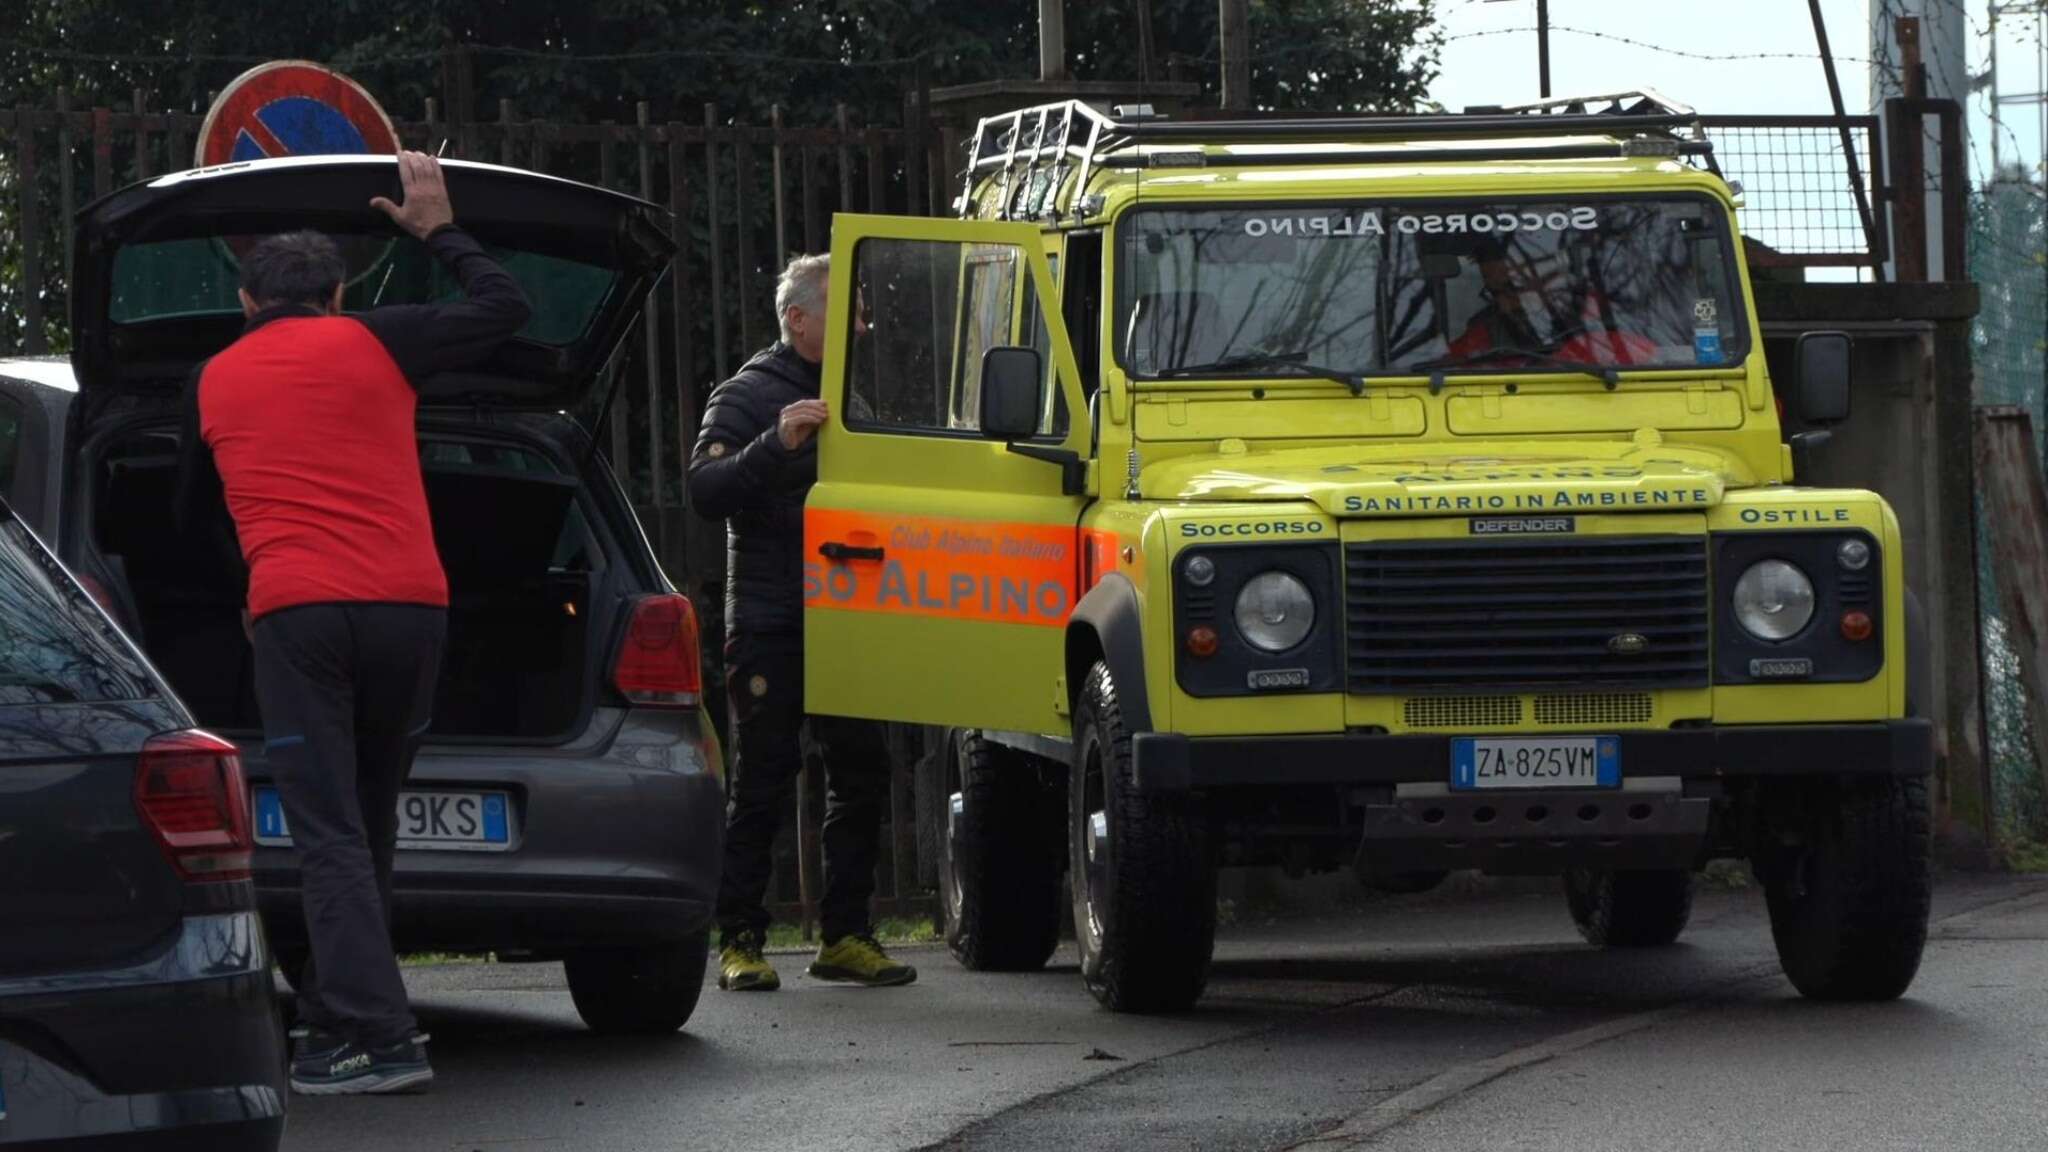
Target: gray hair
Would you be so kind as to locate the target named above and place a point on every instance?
(801, 285)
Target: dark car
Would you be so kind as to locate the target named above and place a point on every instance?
(568, 801)
(136, 1003)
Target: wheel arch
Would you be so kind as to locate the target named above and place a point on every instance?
(1106, 626)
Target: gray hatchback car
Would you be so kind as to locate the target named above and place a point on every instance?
(568, 802)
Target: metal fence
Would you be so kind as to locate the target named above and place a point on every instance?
(1812, 187)
(744, 198)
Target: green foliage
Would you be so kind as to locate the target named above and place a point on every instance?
(595, 58)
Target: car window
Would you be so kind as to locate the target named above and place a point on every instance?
(55, 646)
(10, 443)
(166, 279)
(933, 309)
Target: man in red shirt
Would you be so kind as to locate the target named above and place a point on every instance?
(307, 422)
(1523, 304)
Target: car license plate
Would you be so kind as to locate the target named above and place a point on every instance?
(1536, 762)
(440, 821)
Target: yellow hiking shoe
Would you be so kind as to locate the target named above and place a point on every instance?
(742, 968)
(858, 959)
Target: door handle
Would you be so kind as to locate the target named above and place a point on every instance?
(835, 551)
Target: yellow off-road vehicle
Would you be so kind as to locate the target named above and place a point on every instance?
(1402, 493)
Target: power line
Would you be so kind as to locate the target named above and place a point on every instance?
(1710, 57)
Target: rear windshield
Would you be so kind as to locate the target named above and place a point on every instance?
(55, 647)
(167, 279)
(1414, 287)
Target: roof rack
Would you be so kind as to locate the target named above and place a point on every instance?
(1033, 149)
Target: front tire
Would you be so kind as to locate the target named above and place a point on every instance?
(1144, 883)
(645, 991)
(1639, 909)
(1850, 902)
(999, 869)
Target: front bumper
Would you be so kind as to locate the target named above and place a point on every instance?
(1170, 762)
(1667, 812)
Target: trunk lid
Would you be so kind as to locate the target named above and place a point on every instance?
(1458, 479)
(82, 881)
(155, 271)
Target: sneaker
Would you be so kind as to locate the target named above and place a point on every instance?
(742, 968)
(313, 1043)
(859, 959)
(351, 1069)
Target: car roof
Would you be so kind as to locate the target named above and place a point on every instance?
(48, 371)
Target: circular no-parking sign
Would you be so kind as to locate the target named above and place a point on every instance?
(292, 108)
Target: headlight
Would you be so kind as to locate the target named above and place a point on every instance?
(1773, 600)
(1275, 611)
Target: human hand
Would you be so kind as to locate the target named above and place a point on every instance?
(799, 422)
(426, 204)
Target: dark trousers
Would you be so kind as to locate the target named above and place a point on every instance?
(765, 688)
(347, 692)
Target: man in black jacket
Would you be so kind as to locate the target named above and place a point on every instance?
(755, 460)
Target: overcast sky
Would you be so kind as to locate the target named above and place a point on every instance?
(1486, 63)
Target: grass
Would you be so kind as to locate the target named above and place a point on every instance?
(436, 959)
(889, 930)
(2024, 854)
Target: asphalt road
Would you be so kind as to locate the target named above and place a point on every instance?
(1423, 1023)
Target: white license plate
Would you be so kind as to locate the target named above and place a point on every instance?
(441, 821)
(1536, 762)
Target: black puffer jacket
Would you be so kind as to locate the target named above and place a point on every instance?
(740, 473)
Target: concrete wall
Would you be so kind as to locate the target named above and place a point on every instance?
(1908, 438)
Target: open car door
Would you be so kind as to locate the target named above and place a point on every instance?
(940, 564)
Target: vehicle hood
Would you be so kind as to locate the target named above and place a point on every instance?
(1466, 478)
(526, 214)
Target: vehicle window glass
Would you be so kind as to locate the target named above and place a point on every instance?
(1413, 287)
(931, 309)
(196, 277)
(55, 646)
(10, 442)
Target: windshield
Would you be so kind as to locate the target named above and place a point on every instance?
(1415, 287)
(167, 279)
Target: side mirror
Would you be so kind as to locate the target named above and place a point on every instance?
(1821, 386)
(1011, 379)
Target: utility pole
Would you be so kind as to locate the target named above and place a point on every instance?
(1235, 27)
(1052, 39)
(1542, 45)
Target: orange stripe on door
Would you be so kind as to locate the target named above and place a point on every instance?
(925, 566)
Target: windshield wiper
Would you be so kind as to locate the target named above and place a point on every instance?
(1295, 362)
(1604, 373)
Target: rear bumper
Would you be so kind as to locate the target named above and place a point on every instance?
(184, 1049)
(613, 846)
(1169, 762)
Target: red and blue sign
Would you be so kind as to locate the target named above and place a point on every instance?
(293, 108)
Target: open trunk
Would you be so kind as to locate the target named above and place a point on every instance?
(512, 537)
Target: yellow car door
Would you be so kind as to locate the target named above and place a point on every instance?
(940, 564)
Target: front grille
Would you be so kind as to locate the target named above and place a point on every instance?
(1462, 711)
(1443, 615)
(1587, 709)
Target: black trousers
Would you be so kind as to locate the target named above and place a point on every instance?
(765, 688)
(347, 693)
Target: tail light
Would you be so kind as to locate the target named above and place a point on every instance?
(188, 787)
(658, 658)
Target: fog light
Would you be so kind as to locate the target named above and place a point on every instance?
(1202, 642)
(1853, 555)
(1856, 626)
(1200, 571)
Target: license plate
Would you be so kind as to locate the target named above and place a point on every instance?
(438, 821)
(1536, 762)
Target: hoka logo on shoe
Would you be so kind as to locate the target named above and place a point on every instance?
(354, 1063)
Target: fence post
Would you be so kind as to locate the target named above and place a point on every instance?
(845, 157)
(718, 360)
(648, 321)
(67, 190)
(505, 142)
(809, 157)
(742, 182)
(33, 341)
(1909, 191)
(102, 152)
(142, 166)
(781, 212)
(685, 320)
